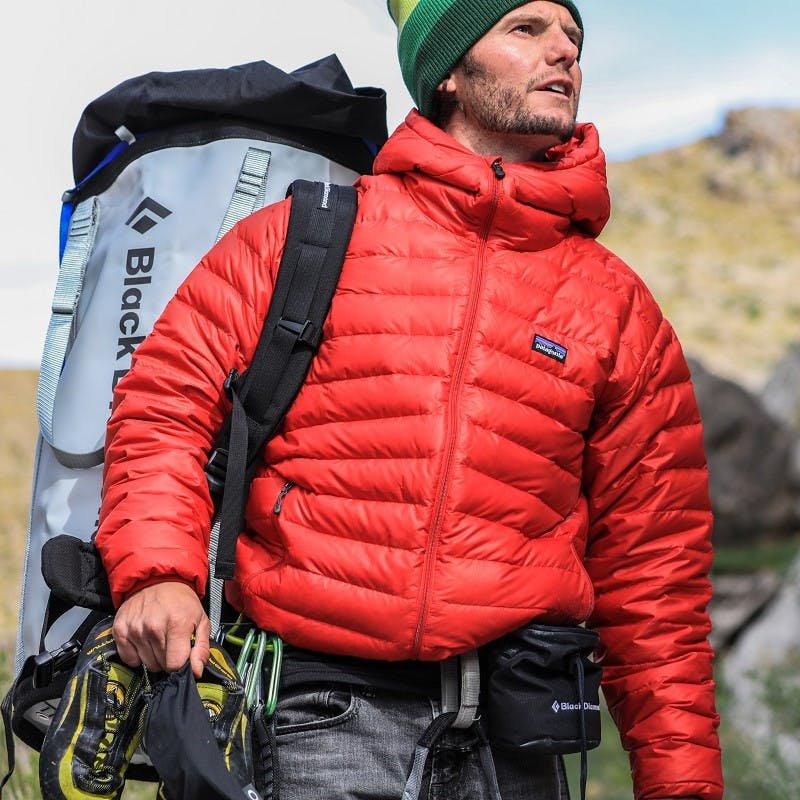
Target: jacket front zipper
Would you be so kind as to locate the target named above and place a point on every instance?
(452, 407)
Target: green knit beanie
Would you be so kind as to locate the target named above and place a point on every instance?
(433, 35)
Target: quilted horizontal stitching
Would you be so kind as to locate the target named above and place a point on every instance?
(352, 421)
(334, 535)
(612, 264)
(385, 374)
(644, 512)
(560, 378)
(527, 320)
(329, 624)
(649, 665)
(639, 443)
(215, 276)
(371, 291)
(574, 268)
(199, 314)
(351, 497)
(554, 295)
(474, 467)
(348, 583)
(516, 564)
(524, 445)
(462, 514)
(656, 348)
(628, 480)
(590, 556)
(374, 334)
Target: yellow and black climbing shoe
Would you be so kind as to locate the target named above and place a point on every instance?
(97, 726)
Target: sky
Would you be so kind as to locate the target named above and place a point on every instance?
(656, 75)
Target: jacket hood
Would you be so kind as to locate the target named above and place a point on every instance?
(541, 202)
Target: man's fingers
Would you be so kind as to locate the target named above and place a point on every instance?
(125, 648)
(152, 657)
(178, 648)
(200, 649)
(133, 646)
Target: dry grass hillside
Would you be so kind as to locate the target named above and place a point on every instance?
(17, 441)
(713, 228)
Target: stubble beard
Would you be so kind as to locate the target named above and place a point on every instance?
(502, 109)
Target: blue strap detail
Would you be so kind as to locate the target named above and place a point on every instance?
(68, 206)
(67, 209)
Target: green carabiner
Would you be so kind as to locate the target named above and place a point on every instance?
(244, 652)
(250, 664)
(252, 689)
(275, 644)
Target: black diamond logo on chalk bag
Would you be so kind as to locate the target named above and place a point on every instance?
(145, 213)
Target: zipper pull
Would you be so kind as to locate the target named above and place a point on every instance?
(276, 509)
(497, 167)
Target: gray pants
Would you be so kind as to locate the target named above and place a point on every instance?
(340, 743)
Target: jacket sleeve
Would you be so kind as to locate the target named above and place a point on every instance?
(648, 555)
(156, 509)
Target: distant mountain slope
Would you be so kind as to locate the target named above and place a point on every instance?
(714, 230)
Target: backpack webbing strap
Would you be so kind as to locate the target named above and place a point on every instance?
(320, 224)
(461, 686)
(250, 188)
(69, 285)
(432, 734)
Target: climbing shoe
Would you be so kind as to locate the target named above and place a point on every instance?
(97, 725)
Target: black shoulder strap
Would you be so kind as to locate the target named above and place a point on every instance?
(320, 224)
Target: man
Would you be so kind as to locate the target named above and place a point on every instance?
(499, 427)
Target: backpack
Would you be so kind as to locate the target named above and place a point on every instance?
(165, 164)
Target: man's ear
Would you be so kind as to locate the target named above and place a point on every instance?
(447, 85)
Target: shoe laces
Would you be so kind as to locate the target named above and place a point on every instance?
(119, 702)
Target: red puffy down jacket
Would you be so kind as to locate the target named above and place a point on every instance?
(499, 426)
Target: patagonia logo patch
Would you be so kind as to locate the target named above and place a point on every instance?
(549, 348)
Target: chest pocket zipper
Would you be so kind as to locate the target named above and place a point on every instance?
(276, 509)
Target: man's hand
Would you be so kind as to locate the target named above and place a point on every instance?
(163, 626)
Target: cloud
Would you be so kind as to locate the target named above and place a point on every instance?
(641, 115)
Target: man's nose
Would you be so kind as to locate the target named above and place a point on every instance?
(560, 49)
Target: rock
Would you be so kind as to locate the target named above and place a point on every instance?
(765, 137)
(781, 393)
(770, 644)
(737, 601)
(750, 455)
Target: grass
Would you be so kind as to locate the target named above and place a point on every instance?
(17, 438)
(609, 776)
(775, 555)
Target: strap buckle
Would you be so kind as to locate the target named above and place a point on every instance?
(305, 332)
(46, 665)
(217, 469)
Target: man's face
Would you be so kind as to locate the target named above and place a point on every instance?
(522, 78)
